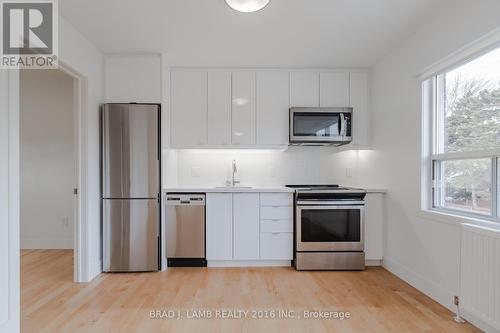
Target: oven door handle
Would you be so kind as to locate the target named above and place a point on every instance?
(331, 203)
(360, 207)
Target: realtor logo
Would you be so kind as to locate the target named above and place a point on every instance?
(29, 34)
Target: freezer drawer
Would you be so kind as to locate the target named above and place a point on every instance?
(130, 234)
(130, 158)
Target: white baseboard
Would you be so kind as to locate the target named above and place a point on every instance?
(430, 288)
(46, 244)
(249, 263)
(373, 262)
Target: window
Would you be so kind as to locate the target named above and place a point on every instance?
(465, 138)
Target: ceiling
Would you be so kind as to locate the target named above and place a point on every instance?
(287, 33)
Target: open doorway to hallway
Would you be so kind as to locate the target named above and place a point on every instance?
(48, 176)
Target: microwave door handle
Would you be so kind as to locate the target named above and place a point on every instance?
(341, 116)
(342, 125)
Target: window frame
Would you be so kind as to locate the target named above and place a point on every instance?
(433, 105)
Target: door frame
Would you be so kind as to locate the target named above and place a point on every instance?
(80, 247)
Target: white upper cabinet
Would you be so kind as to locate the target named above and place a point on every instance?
(219, 108)
(243, 108)
(334, 89)
(359, 103)
(273, 98)
(246, 222)
(189, 108)
(304, 89)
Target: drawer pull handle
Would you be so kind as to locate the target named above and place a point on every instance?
(275, 233)
(275, 220)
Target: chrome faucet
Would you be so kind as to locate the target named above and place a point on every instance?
(235, 169)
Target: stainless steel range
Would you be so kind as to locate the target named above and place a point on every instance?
(329, 227)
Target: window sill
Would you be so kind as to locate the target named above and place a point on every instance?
(450, 218)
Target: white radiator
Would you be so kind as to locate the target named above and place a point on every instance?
(480, 276)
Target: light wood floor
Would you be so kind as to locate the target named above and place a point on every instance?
(376, 300)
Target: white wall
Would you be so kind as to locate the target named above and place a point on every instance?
(264, 168)
(422, 251)
(133, 78)
(47, 159)
(83, 57)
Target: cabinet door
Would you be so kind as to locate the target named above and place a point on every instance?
(273, 98)
(359, 103)
(243, 108)
(276, 246)
(219, 108)
(334, 89)
(246, 226)
(374, 226)
(189, 108)
(304, 89)
(219, 226)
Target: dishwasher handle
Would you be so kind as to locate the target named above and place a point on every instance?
(185, 199)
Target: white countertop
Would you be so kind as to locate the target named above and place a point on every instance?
(213, 189)
(227, 189)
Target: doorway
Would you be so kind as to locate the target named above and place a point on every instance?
(50, 103)
(47, 179)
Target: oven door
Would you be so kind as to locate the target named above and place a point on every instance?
(330, 228)
(320, 125)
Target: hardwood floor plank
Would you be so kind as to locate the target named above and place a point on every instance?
(377, 300)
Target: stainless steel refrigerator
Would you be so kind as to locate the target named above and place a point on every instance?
(130, 187)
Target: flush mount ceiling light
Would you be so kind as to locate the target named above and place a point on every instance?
(247, 6)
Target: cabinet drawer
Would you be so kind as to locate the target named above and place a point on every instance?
(276, 225)
(276, 246)
(276, 212)
(276, 199)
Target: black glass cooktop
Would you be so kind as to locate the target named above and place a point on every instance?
(316, 187)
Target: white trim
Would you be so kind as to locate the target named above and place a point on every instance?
(47, 244)
(80, 246)
(467, 155)
(455, 219)
(249, 263)
(9, 208)
(426, 286)
(480, 46)
(373, 262)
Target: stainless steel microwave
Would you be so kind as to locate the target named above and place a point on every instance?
(320, 126)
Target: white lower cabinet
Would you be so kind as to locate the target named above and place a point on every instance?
(374, 226)
(219, 226)
(249, 227)
(276, 245)
(246, 226)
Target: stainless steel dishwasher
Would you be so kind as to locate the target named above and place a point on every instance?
(185, 229)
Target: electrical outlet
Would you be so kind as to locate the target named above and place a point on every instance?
(348, 172)
(455, 300)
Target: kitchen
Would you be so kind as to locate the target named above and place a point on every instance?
(294, 166)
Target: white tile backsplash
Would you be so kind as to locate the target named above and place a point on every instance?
(264, 168)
